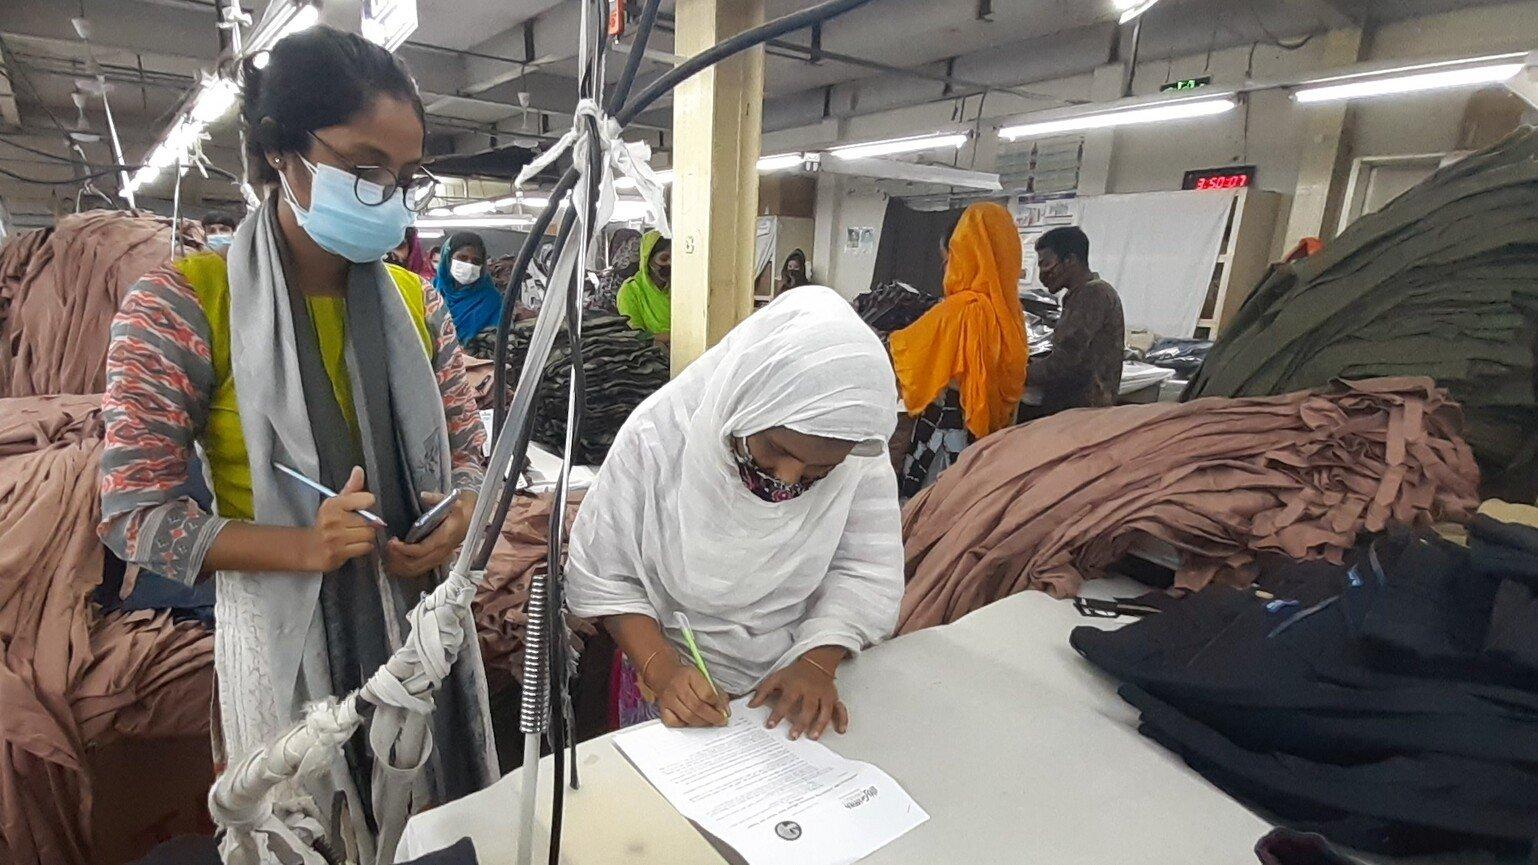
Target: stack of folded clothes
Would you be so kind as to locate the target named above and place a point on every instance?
(1049, 504)
(1396, 717)
(1442, 282)
(621, 367)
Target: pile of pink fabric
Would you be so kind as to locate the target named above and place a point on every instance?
(1054, 502)
(71, 680)
(501, 603)
(60, 287)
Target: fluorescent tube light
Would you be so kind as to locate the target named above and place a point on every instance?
(899, 145)
(278, 23)
(1387, 84)
(475, 222)
(430, 233)
(1179, 110)
(473, 207)
(388, 23)
(1131, 9)
(214, 100)
(780, 161)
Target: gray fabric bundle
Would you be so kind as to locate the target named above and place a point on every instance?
(1442, 282)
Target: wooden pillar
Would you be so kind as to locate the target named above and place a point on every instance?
(1326, 157)
(717, 123)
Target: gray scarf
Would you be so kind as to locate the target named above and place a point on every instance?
(296, 637)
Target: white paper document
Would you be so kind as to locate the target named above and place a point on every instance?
(771, 799)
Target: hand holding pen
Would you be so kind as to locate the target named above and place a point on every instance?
(344, 528)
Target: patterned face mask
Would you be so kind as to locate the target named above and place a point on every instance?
(760, 482)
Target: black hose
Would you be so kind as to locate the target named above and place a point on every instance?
(559, 679)
(727, 47)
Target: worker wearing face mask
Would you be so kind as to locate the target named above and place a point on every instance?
(1084, 368)
(219, 229)
(752, 496)
(646, 298)
(301, 350)
(472, 298)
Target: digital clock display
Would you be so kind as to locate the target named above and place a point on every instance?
(1231, 177)
(1223, 181)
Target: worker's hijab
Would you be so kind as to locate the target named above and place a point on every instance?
(473, 307)
(648, 307)
(975, 337)
(670, 510)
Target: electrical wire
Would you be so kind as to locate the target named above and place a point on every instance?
(40, 152)
(37, 181)
(1272, 38)
(623, 115)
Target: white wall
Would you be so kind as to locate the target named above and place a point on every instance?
(842, 203)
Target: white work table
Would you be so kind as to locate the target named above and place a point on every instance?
(1019, 750)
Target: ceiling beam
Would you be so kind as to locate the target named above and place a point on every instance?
(541, 41)
(1332, 13)
(75, 48)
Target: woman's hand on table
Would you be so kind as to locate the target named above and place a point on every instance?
(805, 694)
(685, 698)
(408, 561)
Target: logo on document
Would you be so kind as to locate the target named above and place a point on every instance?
(790, 830)
(859, 797)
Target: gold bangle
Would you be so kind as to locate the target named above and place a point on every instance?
(827, 672)
(649, 659)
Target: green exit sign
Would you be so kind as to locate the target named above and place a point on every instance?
(1187, 84)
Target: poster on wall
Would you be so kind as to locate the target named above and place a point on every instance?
(1034, 216)
(861, 240)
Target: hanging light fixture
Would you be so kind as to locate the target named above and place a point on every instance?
(780, 161)
(388, 23)
(283, 18)
(1158, 112)
(1412, 79)
(893, 146)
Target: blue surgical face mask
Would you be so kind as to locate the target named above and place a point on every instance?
(220, 242)
(341, 224)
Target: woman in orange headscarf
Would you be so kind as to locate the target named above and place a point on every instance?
(961, 367)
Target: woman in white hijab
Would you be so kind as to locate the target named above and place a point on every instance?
(752, 495)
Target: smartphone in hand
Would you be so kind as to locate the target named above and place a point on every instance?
(433, 518)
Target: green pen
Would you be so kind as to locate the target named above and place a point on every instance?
(682, 622)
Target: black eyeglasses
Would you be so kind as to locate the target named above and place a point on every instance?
(376, 184)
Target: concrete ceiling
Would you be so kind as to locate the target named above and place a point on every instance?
(473, 59)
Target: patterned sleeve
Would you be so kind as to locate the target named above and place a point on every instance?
(467, 435)
(159, 381)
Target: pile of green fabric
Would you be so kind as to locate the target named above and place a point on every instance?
(622, 366)
(1441, 282)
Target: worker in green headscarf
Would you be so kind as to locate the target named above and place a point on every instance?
(644, 298)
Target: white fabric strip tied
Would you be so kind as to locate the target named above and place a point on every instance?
(260, 829)
(629, 158)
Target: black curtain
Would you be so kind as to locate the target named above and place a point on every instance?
(910, 246)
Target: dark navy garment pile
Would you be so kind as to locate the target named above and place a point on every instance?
(1398, 717)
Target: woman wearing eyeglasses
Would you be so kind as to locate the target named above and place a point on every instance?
(305, 349)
